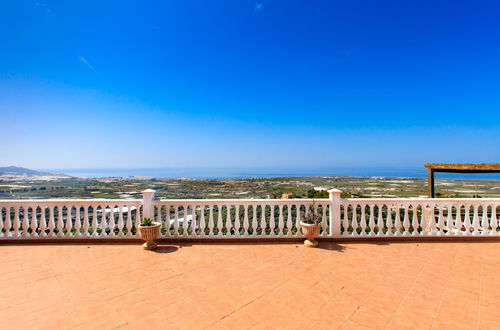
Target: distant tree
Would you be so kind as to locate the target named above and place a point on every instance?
(312, 193)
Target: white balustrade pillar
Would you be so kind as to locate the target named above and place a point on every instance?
(334, 212)
(147, 203)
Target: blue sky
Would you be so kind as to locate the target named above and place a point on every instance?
(269, 84)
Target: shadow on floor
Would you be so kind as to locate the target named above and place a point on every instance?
(166, 249)
(331, 246)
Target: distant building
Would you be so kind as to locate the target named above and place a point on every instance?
(286, 195)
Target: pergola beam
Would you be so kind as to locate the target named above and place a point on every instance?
(457, 168)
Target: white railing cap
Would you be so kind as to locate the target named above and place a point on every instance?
(333, 190)
(149, 191)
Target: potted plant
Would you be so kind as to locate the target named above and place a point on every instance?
(149, 232)
(310, 228)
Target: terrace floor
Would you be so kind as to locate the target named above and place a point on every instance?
(393, 285)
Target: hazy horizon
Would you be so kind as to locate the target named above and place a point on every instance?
(219, 173)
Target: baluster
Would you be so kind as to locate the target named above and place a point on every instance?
(389, 223)
(168, 224)
(185, 223)
(60, 221)
(430, 221)
(345, 220)
(69, 222)
(281, 222)
(220, 224)
(324, 220)
(7, 225)
(315, 209)
(34, 221)
(229, 225)
(86, 223)
(16, 225)
(467, 222)
(349, 221)
(458, 221)
(78, 224)
(397, 219)
(103, 221)
(246, 229)
(406, 219)
(475, 221)
(202, 220)
(371, 222)
(272, 222)
(363, 220)
(2, 223)
(112, 222)
(95, 224)
(440, 224)
(414, 221)
(263, 223)
(158, 218)
(25, 222)
(237, 220)
(449, 220)
(296, 221)
(354, 220)
(52, 223)
(484, 221)
(194, 222)
(120, 221)
(380, 223)
(129, 221)
(211, 232)
(494, 220)
(138, 218)
(288, 221)
(176, 220)
(255, 220)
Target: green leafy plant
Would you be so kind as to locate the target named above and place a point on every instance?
(146, 222)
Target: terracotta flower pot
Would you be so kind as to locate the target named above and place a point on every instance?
(150, 234)
(311, 231)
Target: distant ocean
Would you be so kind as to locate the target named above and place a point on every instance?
(235, 173)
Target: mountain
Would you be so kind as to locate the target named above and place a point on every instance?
(14, 170)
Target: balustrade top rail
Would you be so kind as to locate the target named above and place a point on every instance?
(248, 218)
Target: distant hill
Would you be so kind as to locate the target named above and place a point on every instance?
(15, 170)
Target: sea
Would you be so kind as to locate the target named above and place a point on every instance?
(241, 173)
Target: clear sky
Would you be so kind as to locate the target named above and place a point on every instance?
(249, 83)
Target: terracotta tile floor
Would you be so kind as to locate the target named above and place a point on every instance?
(438, 285)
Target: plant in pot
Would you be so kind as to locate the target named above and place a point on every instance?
(149, 232)
(310, 228)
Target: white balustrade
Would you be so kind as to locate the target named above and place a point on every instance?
(236, 218)
(419, 217)
(68, 219)
(248, 218)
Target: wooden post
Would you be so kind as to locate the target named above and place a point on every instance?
(430, 184)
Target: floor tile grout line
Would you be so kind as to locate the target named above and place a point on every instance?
(480, 290)
(445, 289)
(406, 295)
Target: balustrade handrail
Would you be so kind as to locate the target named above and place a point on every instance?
(242, 201)
(421, 200)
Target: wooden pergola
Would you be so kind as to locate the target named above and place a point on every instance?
(458, 168)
